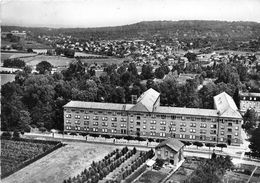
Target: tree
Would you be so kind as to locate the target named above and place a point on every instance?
(209, 145)
(44, 67)
(147, 71)
(191, 56)
(24, 121)
(159, 73)
(69, 52)
(132, 68)
(255, 142)
(250, 118)
(198, 144)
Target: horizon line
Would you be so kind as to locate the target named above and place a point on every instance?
(82, 27)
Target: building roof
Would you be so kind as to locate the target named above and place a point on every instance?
(226, 106)
(146, 101)
(174, 144)
(247, 94)
(98, 105)
(188, 111)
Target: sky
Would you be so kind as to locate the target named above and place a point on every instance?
(99, 13)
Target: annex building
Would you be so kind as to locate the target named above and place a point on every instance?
(249, 101)
(148, 119)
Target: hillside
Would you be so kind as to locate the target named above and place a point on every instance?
(144, 30)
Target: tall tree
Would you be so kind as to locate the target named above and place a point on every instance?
(250, 118)
(255, 142)
(44, 67)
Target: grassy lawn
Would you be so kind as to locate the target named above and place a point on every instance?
(65, 162)
(151, 176)
(5, 78)
(54, 60)
(181, 174)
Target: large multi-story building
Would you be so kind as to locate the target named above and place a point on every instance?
(148, 119)
(249, 101)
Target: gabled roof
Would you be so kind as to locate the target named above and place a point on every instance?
(174, 144)
(226, 106)
(147, 100)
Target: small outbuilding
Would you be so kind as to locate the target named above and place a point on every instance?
(170, 150)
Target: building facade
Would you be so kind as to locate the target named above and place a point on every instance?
(148, 119)
(249, 101)
(170, 150)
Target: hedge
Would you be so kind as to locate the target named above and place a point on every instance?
(134, 175)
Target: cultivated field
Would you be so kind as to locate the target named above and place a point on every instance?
(54, 60)
(14, 153)
(65, 162)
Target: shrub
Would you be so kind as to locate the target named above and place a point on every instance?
(6, 135)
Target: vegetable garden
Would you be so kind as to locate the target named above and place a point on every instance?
(115, 167)
(18, 153)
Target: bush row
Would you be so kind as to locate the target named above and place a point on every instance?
(98, 170)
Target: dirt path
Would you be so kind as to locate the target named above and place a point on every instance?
(61, 164)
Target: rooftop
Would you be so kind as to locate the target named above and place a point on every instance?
(174, 144)
(226, 106)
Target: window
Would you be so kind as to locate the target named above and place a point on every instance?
(193, 125)
(163, 116)
(113, 119)
(123, 120)
(104, 123)
(95, 117)
(153, 122)
(173, 117)
(68, 127)
(104, 119)
(183, 124)
(192, 137)
(163, 123)
(152, 128)
(192, 130)
(172, 123)
(221, 139)
(82, 111)
(86, 117)
(163, 128)
(114, 125)
(229, 124)
(162, 134)
(222, 127)
(144, 127)
(183, 118)
(86, 128)
(203, 119)
(203, 131)
(123, 131)
(229, 130)
(138, 123)
(203, 125)
(104, 130)
(213, 126)
(152, 133)
(236, 134)
(68, 115)
(213, 138)
(113, 130)
(166, 153)
(86, 112)
(77, 122)
(236, 127)
(138, 117)
(144, 122)
(123, 125)
(114, 114)
(77, 116)
(222, 132)
(183, 130)
(131, 126)
(192, 119)
(182, 136)
(172, 129)
(67, 121)
(95, 124)
(86, 122)
(213, 132)
(95, 129)
(131, 120)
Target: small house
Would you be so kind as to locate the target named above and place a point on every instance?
(170, 150)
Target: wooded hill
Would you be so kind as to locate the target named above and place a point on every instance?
(187, 29)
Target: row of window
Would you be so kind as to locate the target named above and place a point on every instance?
(173, 117)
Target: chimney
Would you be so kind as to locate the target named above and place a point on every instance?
(134, 99)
